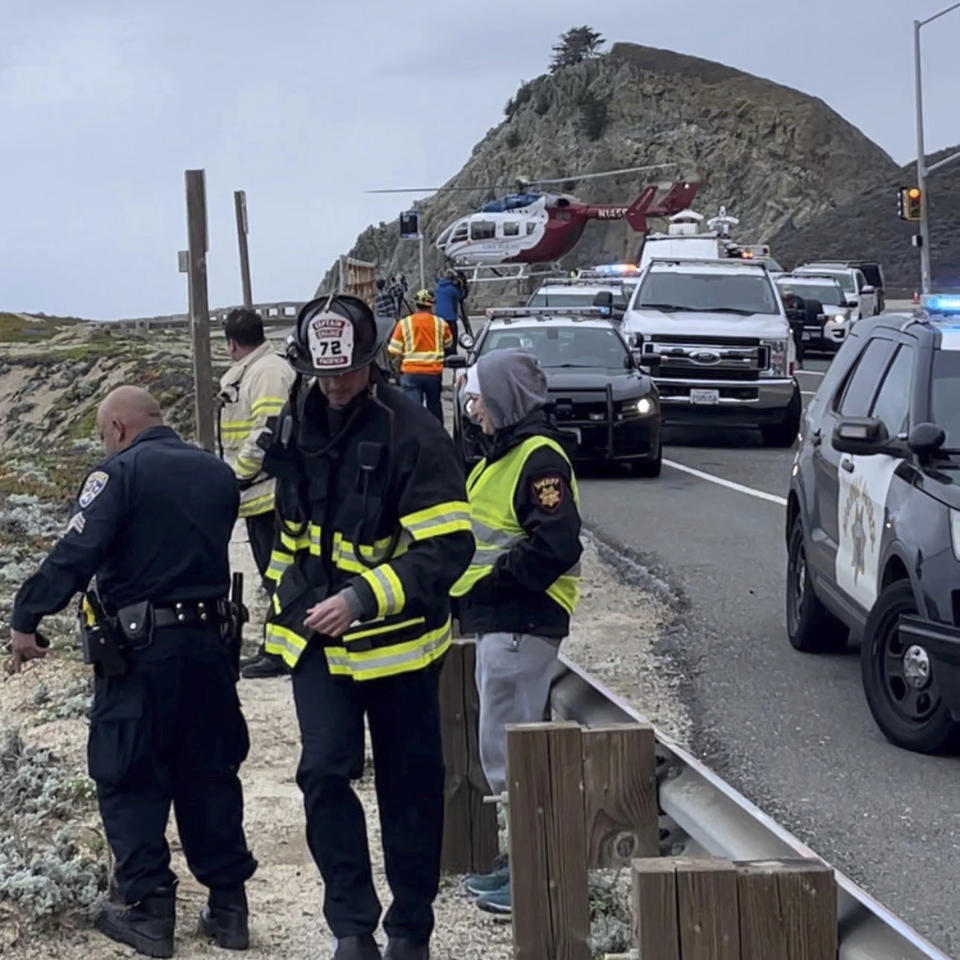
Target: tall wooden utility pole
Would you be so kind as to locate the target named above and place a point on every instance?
(243, 228)
(200, 306)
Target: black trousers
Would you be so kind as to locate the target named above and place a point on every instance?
(260, 531)
(170, 731)
(404, 718)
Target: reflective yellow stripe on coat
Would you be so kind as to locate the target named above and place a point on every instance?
(491, 488)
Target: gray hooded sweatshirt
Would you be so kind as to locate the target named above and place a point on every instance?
(511, 384)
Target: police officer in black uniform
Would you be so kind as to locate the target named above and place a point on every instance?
(153, 522)
(373, 529)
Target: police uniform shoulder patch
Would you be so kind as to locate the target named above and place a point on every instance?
(92, 488)
(548, 491)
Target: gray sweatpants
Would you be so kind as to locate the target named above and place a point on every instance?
(513, 678)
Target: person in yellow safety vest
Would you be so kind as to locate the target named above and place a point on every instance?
(373, 530)
(254, 389)
(522, 586)
(418, 344)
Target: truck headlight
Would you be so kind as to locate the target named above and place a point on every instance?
(955, 531)
(778, 358)
(644, 406)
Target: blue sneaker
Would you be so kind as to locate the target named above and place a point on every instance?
(480, 884)
(498, 902)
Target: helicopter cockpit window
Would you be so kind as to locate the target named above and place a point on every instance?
(460, 233)
(531, 226)
(483, 230)
(511, 228)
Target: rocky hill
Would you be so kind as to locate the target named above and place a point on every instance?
(778, 158)
(867, 228)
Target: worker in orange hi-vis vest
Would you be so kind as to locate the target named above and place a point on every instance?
(417, 346)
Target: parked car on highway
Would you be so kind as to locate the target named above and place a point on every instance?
(873, 520)
(608, 408)
(861, 296)
(714, 336)
(826, 328)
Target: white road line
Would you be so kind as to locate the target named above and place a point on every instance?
(729, 484)
(812, 373)
(808, 393)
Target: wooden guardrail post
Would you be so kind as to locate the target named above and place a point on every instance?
(548, 848)
(620, 794)
(686, 909)
(470, 825)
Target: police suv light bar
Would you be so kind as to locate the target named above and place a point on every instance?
(942, 303)
(574, 313)
(609, 270)
(578, 281)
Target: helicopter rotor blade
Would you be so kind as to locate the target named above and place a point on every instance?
(482, 186)
(605, 173)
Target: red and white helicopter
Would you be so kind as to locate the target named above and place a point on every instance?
(537, 227)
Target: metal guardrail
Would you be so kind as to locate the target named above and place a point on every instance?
(711, 817)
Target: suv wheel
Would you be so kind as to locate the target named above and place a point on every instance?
(898, 680)
(783, 434)
(651, 467)
(811, 628)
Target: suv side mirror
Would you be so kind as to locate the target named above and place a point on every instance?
(603, 299)
(466, 341)
(868, 289)
(926, 439)
(455, 362)
(850, 303)
(860, 435)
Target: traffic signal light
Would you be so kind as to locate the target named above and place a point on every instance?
(910, 203)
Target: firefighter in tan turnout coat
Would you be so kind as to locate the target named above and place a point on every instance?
(252, 390)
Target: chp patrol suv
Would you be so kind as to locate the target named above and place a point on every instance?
(715, 337)
(610, 285)
(873, 520)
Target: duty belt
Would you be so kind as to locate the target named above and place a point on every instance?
(138, 620)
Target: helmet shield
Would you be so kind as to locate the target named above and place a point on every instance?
(335, 334)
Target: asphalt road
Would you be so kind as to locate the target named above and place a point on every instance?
(791, 731)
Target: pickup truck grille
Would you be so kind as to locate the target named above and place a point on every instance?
(708, 358)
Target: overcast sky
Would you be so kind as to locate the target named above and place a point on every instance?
(306, 103)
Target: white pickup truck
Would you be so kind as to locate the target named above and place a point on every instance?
(716, 340)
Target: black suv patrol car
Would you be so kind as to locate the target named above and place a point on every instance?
(873, 520)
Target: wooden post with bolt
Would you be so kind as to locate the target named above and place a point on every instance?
(243, 229)
(469, 824)
(548, 847)
(200, 306)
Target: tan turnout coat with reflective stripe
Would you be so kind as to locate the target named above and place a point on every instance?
(252, 390)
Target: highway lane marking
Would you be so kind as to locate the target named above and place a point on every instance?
(729, 484)
(808, 393)
(812, 373)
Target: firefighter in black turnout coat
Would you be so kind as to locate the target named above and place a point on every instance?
(373, 529)
(153, 522)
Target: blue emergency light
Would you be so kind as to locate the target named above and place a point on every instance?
(615, 269)
(942, 303)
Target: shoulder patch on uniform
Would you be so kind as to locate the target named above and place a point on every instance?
(92, 488)
(548, 491)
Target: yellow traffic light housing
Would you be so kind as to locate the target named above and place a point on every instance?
(910, 203)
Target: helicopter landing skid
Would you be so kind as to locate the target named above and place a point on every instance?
(507, 272)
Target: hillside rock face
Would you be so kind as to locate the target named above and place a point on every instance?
(778, 159)
(868, 228)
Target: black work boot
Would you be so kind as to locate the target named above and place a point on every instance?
(267, 665)
(406, 950)
(357, 948)
(147, 926)
(224, 918)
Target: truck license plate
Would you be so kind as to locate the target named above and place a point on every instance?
(705, 397)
